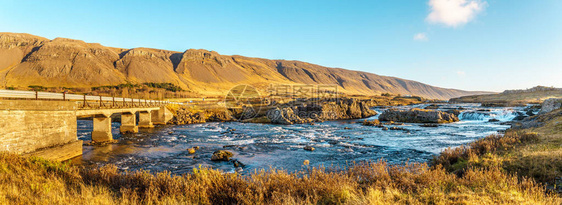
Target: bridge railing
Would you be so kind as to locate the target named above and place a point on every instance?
(83, 101)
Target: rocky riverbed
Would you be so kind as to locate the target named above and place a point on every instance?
(180, 148)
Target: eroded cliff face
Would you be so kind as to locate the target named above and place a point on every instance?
(148, 65)
(210, 67)
(31, 60)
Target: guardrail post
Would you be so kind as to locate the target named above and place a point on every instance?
(101, 104)
(113, 101)
(36, 95)
(85, 104)
(64, 96)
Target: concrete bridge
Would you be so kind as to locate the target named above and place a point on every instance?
(44, 124)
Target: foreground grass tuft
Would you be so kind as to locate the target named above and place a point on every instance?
(37, 181)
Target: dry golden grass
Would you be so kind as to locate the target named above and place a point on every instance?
(483, 151)
(535, 153)
(37, 181)
(541, 160)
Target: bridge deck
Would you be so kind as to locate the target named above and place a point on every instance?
(109, 111)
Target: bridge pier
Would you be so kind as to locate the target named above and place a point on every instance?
(102, 129)
(145, 120)
(128, 123)
(161, 116)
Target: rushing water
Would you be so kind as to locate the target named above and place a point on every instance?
(261, 146)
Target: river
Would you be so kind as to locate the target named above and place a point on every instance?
(265, 146)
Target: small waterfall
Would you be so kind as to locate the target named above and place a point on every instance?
(504, 115)
(499, 114)
(475, 116)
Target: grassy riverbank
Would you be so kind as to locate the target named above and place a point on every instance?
(535, 152)
(37, 181)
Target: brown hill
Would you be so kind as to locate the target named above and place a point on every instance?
(31, 60)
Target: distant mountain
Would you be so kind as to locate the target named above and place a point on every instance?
(32, 60)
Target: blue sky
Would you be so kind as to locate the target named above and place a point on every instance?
(466, 44)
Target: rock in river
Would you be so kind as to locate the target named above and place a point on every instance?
(221, 155)
(191, 150)
(371, 123)
(285, 115)
(307, 112)
(416, 115)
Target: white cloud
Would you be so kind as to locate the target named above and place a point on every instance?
(461, 73)
(420, 37)
(454, 12)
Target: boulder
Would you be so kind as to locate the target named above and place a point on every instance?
(219, 116)
(191, 150)
(398, 128)
(371, 123)
(457, 112)
(519, 118)
(284, 116)
(432, 106)
(550, 104)
(429, 125)
(237, 163)
(221, 155)
(416, 115)
(184, 116)
(317, 111)
(346, 108)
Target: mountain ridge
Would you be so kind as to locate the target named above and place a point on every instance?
(27, 59)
